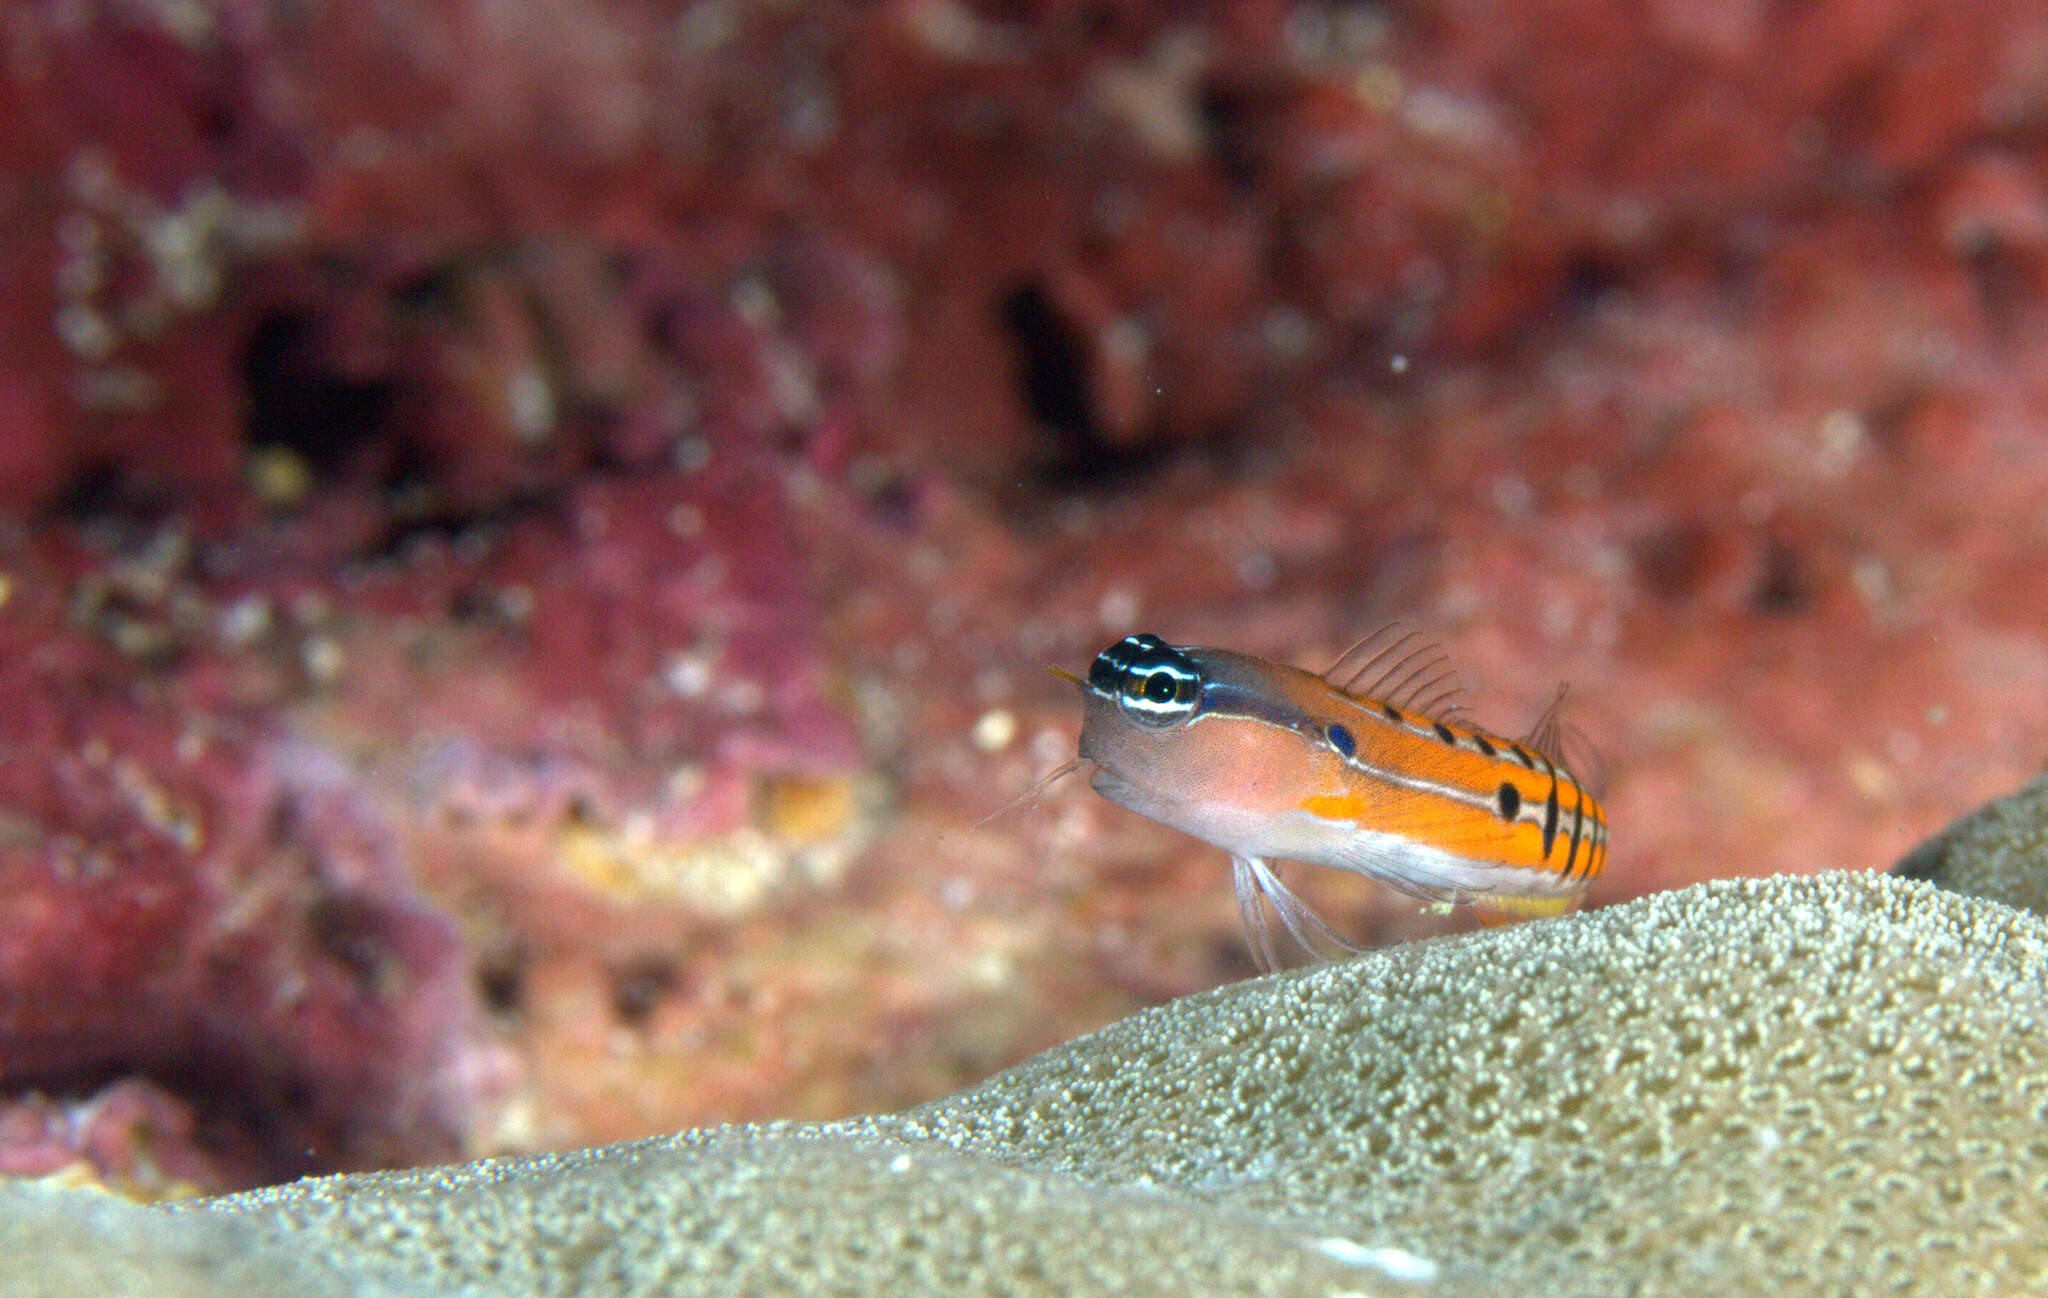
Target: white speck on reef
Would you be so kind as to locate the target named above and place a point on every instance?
(1395, 1263)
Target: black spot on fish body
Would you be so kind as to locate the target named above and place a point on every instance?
(1443, 732)
(1485, 747)
(1510, 799)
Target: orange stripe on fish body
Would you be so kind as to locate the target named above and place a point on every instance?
(1269, 761)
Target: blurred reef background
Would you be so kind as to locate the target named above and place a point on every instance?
(529, 532)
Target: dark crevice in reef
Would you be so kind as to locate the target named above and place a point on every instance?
(257, 1118)
(1056, 386)
(104, 491)
(298, 403)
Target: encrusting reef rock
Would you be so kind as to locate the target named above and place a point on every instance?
(1796, 1085)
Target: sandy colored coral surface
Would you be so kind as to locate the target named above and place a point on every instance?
(1801, 1086)
(68, 1243)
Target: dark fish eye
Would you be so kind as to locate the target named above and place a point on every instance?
(1163, 696)
(1154, 683)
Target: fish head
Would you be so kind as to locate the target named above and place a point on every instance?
(1166, 733)
(1137, 701)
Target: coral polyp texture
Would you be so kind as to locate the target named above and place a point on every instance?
(1798, 1086)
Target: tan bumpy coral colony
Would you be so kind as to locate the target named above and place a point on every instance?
(1801, 1085)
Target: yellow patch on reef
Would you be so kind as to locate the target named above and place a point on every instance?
(144, 1182)
(804, 833)
(726, 877)
(806, 810)
(278, 477)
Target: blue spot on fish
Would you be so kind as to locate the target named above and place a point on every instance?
(1341, 740)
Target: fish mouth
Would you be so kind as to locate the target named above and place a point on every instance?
(1129, 794)
(1111, 785)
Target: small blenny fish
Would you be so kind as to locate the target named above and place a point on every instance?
(1363, 768)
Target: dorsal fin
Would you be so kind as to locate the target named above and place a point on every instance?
(1403, 668)
(1544, 736)
(1566, 745)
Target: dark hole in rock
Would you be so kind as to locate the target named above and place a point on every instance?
(351, 933)
(1234, 126)
(297, 403)
(1589, 281)
(1055, 385)
(1674, 561)
(1052, 367)
(640, 986)
(1781, 591)
(501, 981)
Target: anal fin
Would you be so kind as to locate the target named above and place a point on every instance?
(1495, 910)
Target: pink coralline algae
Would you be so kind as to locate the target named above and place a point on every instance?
(444, 225)
(132, 1135)
(186, 894)
(240, 781)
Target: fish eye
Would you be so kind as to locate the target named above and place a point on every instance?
(1153, 683)
(1160, 693)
